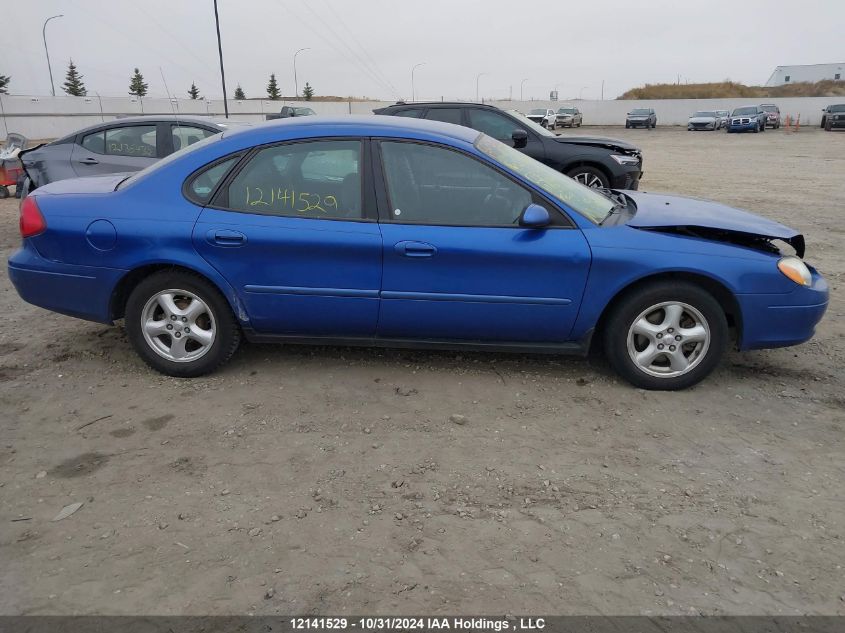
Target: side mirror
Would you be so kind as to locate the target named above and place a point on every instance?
(535, 217)
(520, 138)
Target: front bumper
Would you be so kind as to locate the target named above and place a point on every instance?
(839, 121)
(627, 180)
(780, 320)
(701, 126)
(638, 122)
(84, 292)
(742, 127)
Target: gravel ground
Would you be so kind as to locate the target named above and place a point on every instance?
(335, 480)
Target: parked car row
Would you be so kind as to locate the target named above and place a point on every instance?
(754, 118)
(566, 116)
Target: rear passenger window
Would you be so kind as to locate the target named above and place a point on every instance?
(411, 112)
(446, 115)
(316, 179)
(202, 186)
(185, 135)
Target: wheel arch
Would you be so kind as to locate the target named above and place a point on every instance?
(587, 162)
(723, 295)
(127, 283)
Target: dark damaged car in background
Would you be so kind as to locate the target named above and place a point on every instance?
(602, 163)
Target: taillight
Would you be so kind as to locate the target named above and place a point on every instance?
(32, 222)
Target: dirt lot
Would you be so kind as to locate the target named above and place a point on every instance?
(332, 480)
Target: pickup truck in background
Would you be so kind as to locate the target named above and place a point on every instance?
(290, 111)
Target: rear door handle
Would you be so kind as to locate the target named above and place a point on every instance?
(415, 249)
(90, 161)
(225, 237)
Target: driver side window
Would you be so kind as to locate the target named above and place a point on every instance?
(433, 185)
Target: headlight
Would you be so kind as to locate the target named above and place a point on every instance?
(796, 270)
(625, 160)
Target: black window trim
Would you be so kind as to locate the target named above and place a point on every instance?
(384, 204)
(507, 115)
(219, 200)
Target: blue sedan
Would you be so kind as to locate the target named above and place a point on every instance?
(397, 232)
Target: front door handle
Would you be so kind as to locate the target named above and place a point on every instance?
(225, 237)
(90, 161)
(415, 249)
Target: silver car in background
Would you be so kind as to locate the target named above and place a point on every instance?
(120, 145)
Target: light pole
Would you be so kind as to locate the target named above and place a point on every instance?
(44, 37)
(477, 80)
(222, 73)
(521, 84)
(413, 92)
(295, 80)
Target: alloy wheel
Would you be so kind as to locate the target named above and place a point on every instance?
(178, 325)
(668, 339)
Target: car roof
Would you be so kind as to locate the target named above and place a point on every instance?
(357, 125)
(153, 118)
(437, 104)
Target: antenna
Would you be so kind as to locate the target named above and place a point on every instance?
(169, 98)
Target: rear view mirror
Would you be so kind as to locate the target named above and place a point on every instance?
(535, 217)
(520, 138)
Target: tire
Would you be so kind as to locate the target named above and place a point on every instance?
(4, 192)
(212, 316)
(763, 128)
(824, 120)
(627, 125)
(589, 176)
(692, 305)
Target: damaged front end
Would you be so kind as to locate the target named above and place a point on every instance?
(782, 246)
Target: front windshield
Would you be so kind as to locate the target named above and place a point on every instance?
(303, 111)
(640, 111)
(740, 111)
(567, 110)
(770, 108)
(169, 159)
(704, 114)
(535, 127)
(837, 108)
(537, 111)
(584, 200)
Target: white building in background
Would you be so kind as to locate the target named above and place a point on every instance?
(810, 72)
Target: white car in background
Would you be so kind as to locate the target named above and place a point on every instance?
(704, 120)
(545, 117)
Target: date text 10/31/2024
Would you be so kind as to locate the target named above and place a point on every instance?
(419, 623)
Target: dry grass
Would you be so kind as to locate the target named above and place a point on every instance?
(724, 89)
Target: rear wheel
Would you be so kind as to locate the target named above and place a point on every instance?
(180, 324)
(4, 192)
(589, 176)
(666, 336)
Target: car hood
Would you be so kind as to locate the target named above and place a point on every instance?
(596, 141)
(89, 184)
(702, 119)
(708, 219)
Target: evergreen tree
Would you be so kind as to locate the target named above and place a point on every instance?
(74, 85)
(273, 88)
(4, 81)
(239, 93)
(308, 92)
(137, 86)
(194, 92)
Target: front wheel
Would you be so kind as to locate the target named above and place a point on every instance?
(589, 176)
(180, 324)
(666, 336)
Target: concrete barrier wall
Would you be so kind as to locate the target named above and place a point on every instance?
(52, 117)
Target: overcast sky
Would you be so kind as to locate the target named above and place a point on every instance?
(368, 47)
